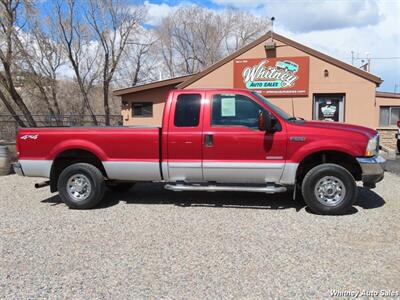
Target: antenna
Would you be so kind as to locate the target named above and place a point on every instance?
(368, 64)
(272, 29)
(270, 46)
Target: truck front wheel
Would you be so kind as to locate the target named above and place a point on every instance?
(81, 186)
(329, 189)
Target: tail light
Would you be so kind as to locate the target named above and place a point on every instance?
(398, 124)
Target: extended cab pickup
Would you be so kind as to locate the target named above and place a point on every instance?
(210, 140)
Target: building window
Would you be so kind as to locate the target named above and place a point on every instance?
(142, 109)
(187, 110)
(329, 107)
(388, 116)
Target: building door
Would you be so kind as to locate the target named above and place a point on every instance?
(329, 107)
(234, 149)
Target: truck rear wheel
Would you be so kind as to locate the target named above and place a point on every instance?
(81, 186)
(329, 189)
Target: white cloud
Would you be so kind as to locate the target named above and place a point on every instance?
(307, 15)
(339, 27)
(155, 12)
(380, 40)
(333, 27)
(240, 3)
(324, 15)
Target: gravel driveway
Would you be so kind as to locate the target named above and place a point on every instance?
(159, 244)
(393, 165)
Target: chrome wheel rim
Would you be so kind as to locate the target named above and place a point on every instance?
(79, 187)
(330, 191)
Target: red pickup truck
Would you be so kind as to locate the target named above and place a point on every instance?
(210, 140)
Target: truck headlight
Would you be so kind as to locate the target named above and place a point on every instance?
(372, 146)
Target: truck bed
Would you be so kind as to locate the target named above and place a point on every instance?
(124, 151)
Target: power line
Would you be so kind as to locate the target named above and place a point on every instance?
(395, 57)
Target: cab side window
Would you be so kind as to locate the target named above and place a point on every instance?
(187, 110)
(234, 110)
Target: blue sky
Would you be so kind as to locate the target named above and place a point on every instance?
(334, 27)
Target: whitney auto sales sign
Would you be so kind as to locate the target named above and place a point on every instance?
(283, 76)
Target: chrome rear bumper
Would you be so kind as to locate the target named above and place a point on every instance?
(372, 168)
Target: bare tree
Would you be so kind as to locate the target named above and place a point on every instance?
(8, 31)
(113, 22)
(10, 109)
(41, 57)
(92, 37)
(81, 52)
(192, 38)
(166, 46)
(140, 55)
(243, 27)
(196, 35)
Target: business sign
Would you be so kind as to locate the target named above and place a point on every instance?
(283, 76)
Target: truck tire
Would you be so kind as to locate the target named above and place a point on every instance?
(329, 189)
(121, 187)
(81, 186)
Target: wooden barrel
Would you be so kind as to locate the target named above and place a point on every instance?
(5, 162)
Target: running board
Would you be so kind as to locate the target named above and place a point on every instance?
(219, 188)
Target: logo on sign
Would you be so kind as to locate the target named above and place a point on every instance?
(273, 76)
(260, 76)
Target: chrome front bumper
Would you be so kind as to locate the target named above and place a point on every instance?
(18, 169)
(372, 168)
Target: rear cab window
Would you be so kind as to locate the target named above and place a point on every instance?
(187, 110)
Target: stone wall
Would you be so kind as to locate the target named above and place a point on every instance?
(388, 138)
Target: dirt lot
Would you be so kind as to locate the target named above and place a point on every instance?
(393, 165)
(159, 244)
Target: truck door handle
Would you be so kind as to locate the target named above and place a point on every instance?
(208, 140)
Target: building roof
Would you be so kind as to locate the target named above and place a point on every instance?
(184, 81)
(153, 85)
(388, 95)
(289, 42)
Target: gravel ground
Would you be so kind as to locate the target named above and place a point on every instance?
(151, 243)
(393, 165)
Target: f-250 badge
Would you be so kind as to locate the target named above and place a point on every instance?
(29, 136)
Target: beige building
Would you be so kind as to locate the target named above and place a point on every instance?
(300, 80)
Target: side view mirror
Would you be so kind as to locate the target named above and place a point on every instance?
(264, 122)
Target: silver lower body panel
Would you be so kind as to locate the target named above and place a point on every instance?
(34, 167)
(217, 188)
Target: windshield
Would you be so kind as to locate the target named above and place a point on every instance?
(275, 108)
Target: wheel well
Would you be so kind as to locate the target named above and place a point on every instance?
(70, 157)
(336, 157)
